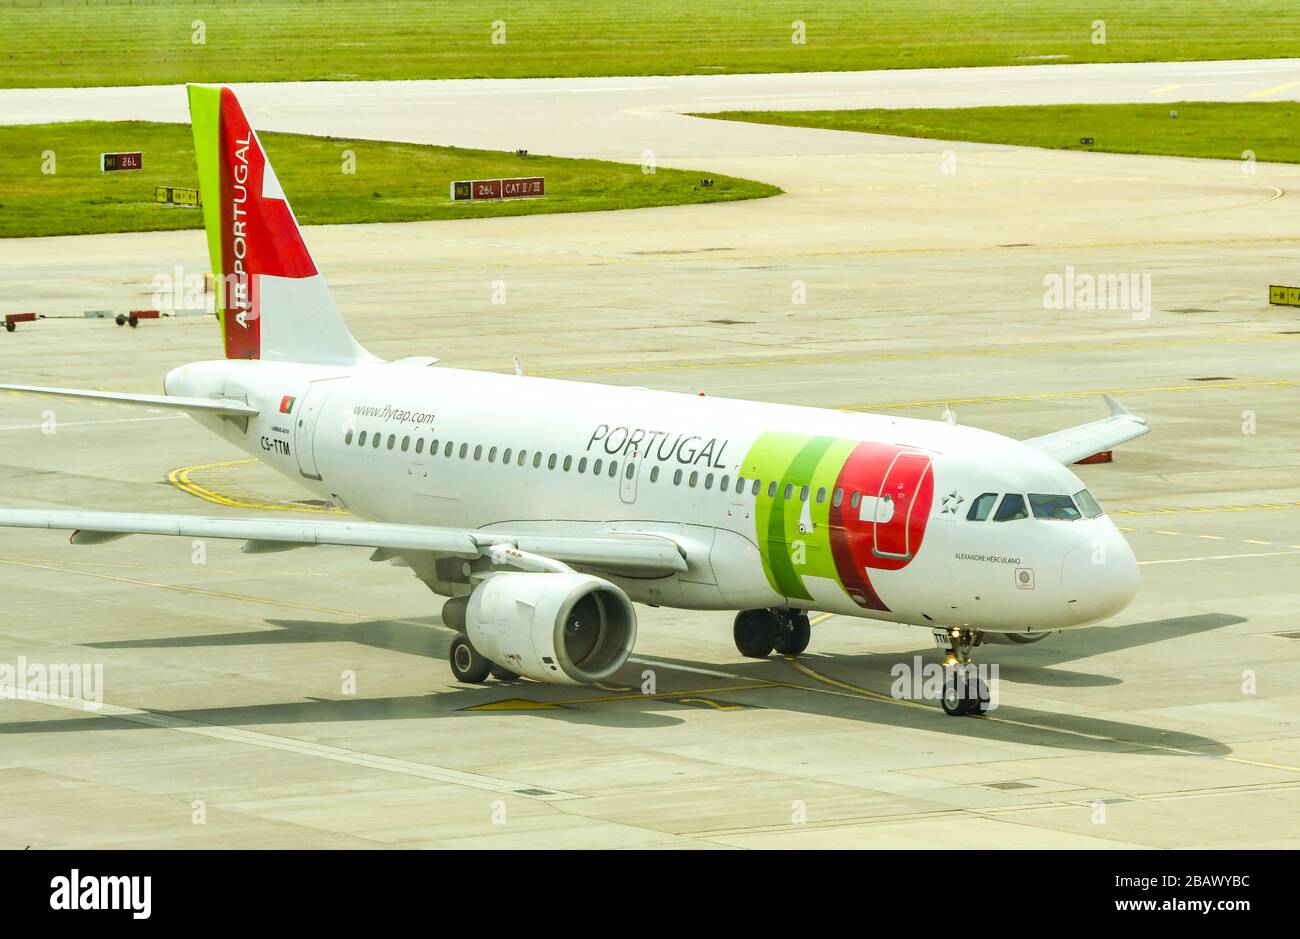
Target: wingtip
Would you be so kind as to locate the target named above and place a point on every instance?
(1118, 410)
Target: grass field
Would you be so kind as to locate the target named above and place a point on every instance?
(392, 182)
(116, 42)
(1201, 129)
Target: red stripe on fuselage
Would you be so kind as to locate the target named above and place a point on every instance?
(911, 486)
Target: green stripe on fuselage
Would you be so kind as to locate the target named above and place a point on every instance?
(796, 460)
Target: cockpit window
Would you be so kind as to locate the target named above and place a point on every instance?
(1012, 508)
(1087, 504)
(981, 507)
(1056, 507)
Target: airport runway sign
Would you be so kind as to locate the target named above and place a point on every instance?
(478, 190)
(1283, 296)
(117, 162)
(177, 195)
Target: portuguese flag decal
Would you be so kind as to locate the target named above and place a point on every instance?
(286, 404)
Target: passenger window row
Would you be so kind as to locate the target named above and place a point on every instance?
(508, 456)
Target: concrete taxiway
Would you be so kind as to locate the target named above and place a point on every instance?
(303, 699)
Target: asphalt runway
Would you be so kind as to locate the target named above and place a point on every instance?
(304, 699)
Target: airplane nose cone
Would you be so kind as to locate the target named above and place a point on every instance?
(1100, 577)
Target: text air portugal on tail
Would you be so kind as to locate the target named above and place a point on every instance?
(272, 302)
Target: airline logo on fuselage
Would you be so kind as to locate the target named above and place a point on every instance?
(661, 445)
(238, 232)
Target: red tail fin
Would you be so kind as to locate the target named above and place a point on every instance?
(272, 301)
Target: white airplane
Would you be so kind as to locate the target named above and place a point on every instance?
(544, 509)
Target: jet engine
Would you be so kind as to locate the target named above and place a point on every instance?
(562, 628)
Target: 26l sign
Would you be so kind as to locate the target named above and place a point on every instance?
(116, 162)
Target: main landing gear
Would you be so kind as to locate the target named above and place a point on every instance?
(470, 666)
(467, 663)
(963, 690)
(759, 632)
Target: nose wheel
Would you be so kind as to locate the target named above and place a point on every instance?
(964, 692)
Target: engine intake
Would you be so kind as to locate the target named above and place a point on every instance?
(563, 628)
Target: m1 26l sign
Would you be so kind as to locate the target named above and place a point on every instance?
(479, 190)
(116, 162)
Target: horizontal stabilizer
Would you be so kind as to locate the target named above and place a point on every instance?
(221, 408)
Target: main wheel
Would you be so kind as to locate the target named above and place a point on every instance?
(792, 637)
(467, 663)
(502, 674)
(755, 633)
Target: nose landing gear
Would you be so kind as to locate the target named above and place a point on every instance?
(758, 632)
(964, 692)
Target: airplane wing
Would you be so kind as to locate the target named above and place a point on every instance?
(223, 407)
(619, 553)
(1082, 441)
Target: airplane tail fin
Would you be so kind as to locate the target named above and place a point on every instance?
(271, 301)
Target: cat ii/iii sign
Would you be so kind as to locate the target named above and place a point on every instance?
(476, 190)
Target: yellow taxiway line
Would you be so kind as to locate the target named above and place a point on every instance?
(1266, 92)
(182, 479)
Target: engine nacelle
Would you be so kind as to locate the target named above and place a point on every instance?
(563, 628)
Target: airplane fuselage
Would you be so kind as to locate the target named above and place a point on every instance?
(774, 505)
